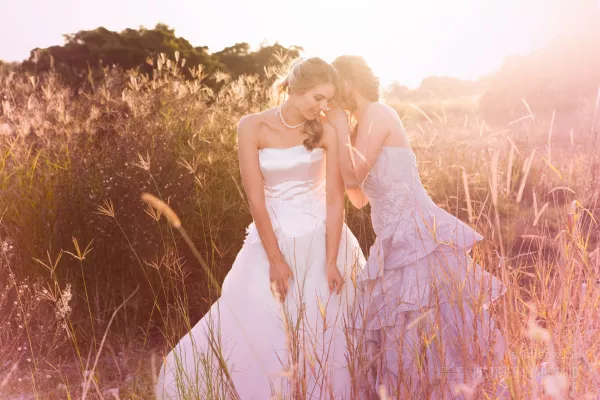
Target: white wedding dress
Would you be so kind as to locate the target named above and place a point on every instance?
(265, 355)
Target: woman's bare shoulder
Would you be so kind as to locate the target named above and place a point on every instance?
(251, 125)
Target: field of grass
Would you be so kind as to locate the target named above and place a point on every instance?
(95, 285)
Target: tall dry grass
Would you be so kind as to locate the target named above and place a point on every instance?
(95, 284)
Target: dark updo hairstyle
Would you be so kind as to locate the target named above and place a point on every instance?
(354, 70)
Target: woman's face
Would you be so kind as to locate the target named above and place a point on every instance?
(311, 102)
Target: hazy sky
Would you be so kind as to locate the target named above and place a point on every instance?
(404, 40)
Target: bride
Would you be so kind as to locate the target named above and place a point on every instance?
(277, 331)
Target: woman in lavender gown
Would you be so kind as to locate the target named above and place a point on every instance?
(423, 303)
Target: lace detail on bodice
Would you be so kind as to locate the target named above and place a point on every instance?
(408, 224)
(394, 187)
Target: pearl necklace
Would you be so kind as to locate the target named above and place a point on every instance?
(285, 123)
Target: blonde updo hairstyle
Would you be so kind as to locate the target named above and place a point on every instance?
(303, 75)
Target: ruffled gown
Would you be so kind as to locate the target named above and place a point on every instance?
(423, 301)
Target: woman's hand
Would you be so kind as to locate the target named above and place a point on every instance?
(339, 119)
(280, 274)
(334, 279)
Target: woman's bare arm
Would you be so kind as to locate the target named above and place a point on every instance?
(335, 208)
(356, 159)
(248, 147)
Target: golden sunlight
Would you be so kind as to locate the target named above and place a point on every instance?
(408, 41)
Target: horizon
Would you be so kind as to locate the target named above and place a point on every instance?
(464, 40)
